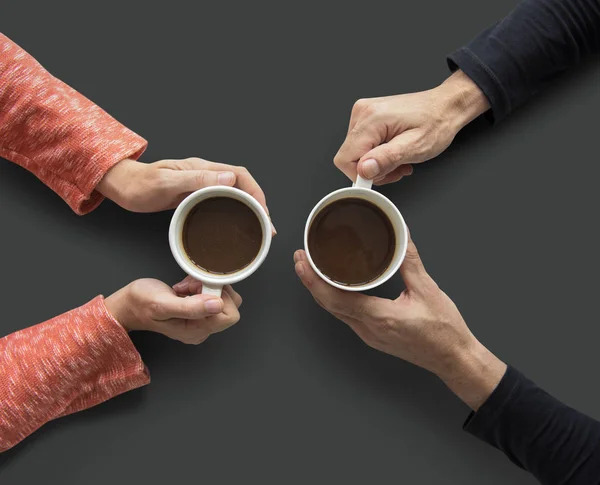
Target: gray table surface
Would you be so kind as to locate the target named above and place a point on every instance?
(506, 221)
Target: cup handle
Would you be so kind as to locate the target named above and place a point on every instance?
(362, 183)
(211, 290)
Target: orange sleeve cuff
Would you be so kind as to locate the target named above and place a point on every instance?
(69, 363)
(56, 133)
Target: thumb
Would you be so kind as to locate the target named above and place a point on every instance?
(192, 180)
(412, 270)
(189, 308)
(385, 158)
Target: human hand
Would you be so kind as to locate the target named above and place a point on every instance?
(153, 187)
(386, 135)
(422, 326)
(180, 313)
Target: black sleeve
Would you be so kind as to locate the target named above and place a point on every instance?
(554, 442)
(539, 40)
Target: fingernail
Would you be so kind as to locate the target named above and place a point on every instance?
(370, 168)
(300, 269)
(226, 178)
(297, 257)
(274, 230)
(213, 306)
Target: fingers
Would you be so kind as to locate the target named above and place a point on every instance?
(244, 179)
(383, 159)
(196, 330)
(235, 296)
(192, 180)
(170, 305)
(353, 305)
(229, 317)
(413, 271)
(360, 140)
(191, 286)
(188, 286)
(395, 175)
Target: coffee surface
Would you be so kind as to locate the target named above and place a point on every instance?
(351, 241)
(222, 235)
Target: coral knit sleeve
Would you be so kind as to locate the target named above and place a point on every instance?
(59, 135)
(67, 364)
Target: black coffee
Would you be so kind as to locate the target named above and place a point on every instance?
(351, 241)
(222, 235)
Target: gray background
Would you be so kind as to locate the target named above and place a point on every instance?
(505, 221)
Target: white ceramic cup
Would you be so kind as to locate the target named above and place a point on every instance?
(362, 189)
(212, 283)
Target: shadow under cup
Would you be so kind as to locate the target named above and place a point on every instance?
(390, 213)
(212, 281)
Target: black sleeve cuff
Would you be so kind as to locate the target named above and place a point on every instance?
(481, 423)
(468, 62)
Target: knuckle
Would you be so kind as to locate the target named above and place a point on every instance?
(360, 104)
(337, 160)
(356, 132)
(195, 287)
(203, 178)
(225, 323)
(235, 318)
(243, 171)
(412, 254)
(372, 110)
(193, 161)
(198, 339)
(184, 339)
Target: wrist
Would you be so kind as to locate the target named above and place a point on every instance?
(462, 100)
(117, 182)
(473, 374)
(117, 305)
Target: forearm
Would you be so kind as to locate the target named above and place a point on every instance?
(473, 374)
(50, 129)
(72, 362)
(554, 442)
(534, 44)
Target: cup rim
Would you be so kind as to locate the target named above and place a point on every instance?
(389, 272)
(190, 268)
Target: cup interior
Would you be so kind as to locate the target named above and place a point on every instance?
(176, 235)
(392, 213)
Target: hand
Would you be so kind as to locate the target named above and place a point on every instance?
(180, 313)
(388, 134)
(153, 187)
(422, 326)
